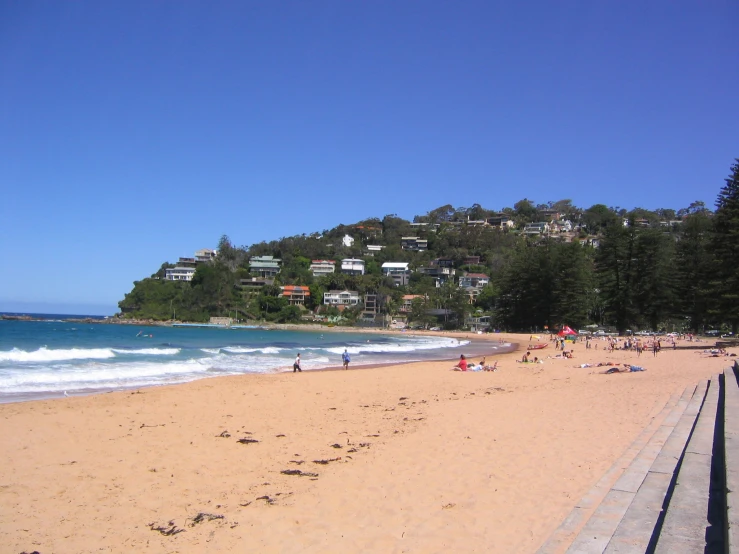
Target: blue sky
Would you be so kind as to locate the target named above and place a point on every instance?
(132, 133)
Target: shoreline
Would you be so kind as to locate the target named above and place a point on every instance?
(477, 346)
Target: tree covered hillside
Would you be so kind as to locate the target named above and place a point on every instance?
(547, 264)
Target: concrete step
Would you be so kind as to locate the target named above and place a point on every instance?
(563, 536)
(686, 527)
(600, 529)
(636, 530)
(731, 458)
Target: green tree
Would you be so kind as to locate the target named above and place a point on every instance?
(725, 245)
(694, 261)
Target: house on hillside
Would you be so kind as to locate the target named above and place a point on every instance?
(352, 266)
(501, 222)
(425, 226)
(414, 244)
(205, 255)
(179, 273)
(473, 283)
(407, 302)
(476, 280)
(472, 260)
(535, 229)
(321, 268)
(372, 249)
(341, 298)
(441, 274)
(476, 222)
(296, 295)
(264, 266)
(253, 286)
(368, 230)
(398, 271)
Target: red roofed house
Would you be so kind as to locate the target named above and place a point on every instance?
(295, 294)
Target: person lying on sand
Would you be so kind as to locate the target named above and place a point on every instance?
(626, 369)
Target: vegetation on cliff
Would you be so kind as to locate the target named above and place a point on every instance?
(637, 269)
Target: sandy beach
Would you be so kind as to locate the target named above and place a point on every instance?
(405, 458)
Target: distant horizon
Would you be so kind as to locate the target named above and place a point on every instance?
(54, 308)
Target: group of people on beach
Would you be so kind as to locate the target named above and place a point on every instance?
(463, 365)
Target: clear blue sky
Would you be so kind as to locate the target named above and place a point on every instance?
(135, 132)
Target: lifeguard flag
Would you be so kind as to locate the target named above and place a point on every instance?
(566, 331)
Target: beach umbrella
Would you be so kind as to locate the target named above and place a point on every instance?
(566, 331)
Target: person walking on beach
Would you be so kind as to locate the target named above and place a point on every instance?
(296, 365)
(346, 359)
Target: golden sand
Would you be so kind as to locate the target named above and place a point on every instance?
(417, 458)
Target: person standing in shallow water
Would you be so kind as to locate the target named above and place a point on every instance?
(346, 359)
(296, 365)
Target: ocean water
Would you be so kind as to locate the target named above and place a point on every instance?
(46, 359)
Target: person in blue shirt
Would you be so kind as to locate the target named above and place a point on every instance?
(346, 359)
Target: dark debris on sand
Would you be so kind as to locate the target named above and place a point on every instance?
(298, 473)
(202, 516)
(166, 530)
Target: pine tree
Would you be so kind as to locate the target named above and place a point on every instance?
(726, 249)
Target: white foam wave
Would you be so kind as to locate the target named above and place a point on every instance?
(44, 354)
(150, 351)
(398, 347)
(243, 350)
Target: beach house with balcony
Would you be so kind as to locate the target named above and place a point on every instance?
(296, 295)
(473, 283)
(501, 222)
(475, 280)
(414, 244)
(341, 298)
(397, 271)
(179, 273)
(264, 266)
(321, 268)
(352, 266)
(535, 229)
(205, 255)
(441, 274)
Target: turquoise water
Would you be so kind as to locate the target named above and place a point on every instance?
(41, 359)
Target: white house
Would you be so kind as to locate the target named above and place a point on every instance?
(179, 273)
(320, 268)
(474, 280)
(348, 241)
(540, 228)
(398, 271)
(341, 298)
(373, 248)
(352, 266)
